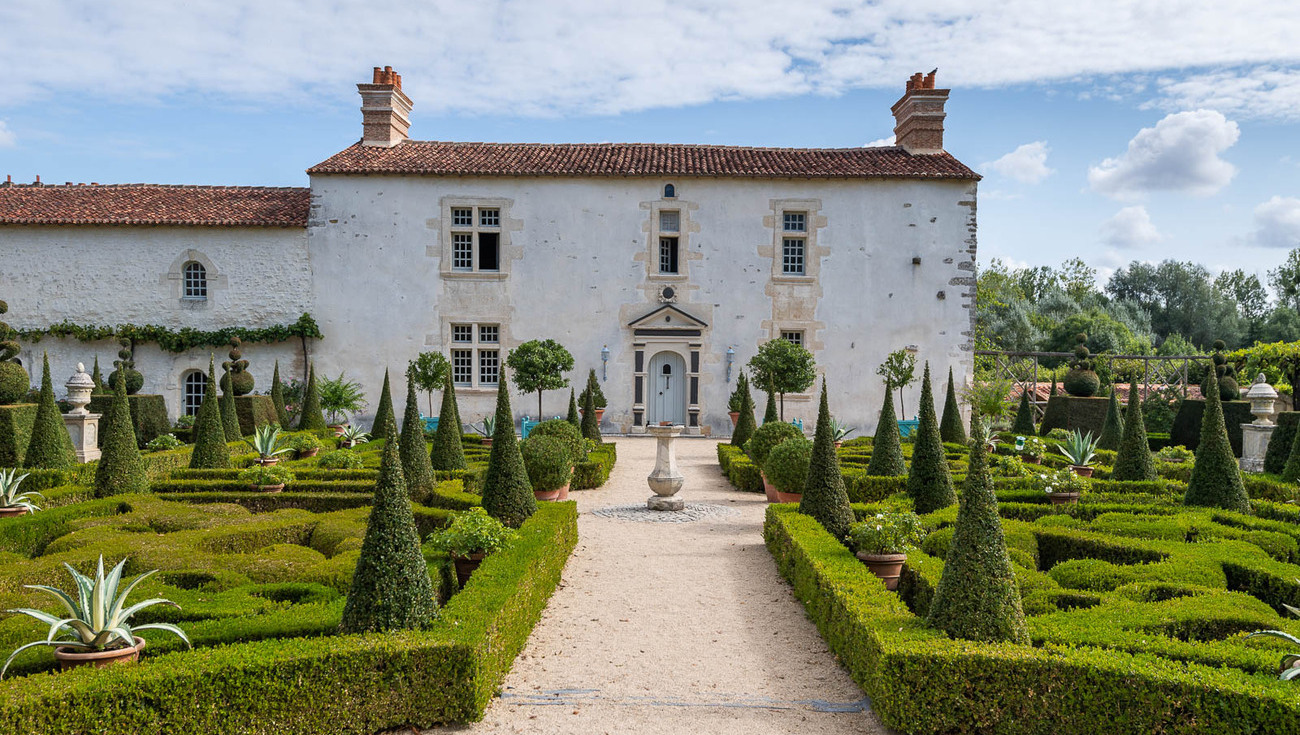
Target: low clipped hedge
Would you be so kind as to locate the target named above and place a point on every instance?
(740, 470)
(254, 411)
(594, 472)
(919, 681)
(318, 683)
(1074, 412)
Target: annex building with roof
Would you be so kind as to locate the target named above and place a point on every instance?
(663, 267)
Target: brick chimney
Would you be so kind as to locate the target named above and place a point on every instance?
(385, 110)
(918, 115)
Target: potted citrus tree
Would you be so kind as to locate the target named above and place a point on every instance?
(786, 468)
(266, 479)
(549, 466)
(882, 543)
(94, 627)
(12, 501)
(471, 537)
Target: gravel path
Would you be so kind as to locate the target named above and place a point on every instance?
(675, 627)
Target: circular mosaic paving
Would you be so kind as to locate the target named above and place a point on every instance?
(642, 514)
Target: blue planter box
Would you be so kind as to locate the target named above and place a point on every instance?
(430, 423)
(905, 428)
(526, 425)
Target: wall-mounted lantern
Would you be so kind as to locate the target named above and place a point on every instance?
(731, 358)
(604, 362)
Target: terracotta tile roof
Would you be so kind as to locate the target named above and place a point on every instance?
(639, 159)
(154, 204)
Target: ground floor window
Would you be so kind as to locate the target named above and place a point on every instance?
(194, 386)
(476, 355)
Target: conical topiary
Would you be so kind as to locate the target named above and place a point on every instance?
(1112, 429)
(415, 456)
(310, 417)
(1216, 479)
(745, 424)
(1291, 473)
(824, 496)
(1024, 423)
(50, 446)
(1133, 462)
(236, 378)
(770, 412)
(887, 447)
(977, 598)
(574, 418)
(507, 494)
(928, 481)
(277, 397)
(391, 589)
(447, 453)
(1052, 392)
(950, 424)
(210, 448)
(590, 424)
(385, 425)
(121, 469)
(98, 379)
(592, 389)
(125, 366)
(229, 418)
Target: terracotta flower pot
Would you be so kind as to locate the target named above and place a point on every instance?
(735, 418)
(1081, 470)
(71, 658)
(788, 497)
(886, 566)
(337, 429)
(305, 453)
(266, 461)
(600, 415)
(1033, 460)
(558, 494)
(268, 488)
(12, 512)
(1063, 498)
(465, 566)
(487, 441)
(839, 444)
(768, 488)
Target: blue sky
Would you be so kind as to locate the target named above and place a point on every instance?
(1113, 132)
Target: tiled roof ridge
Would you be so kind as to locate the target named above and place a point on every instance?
(184, 205)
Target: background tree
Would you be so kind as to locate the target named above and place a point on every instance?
(1285, 280)
(428, 371)
(341, 397)
(540, 365)
(784, 367)
(899, 371)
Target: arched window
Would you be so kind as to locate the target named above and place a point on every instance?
(195, 281)
(195, 386)
(670, 191)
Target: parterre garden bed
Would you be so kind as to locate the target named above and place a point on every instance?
(261, 580)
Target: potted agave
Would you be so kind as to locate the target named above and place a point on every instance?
(266, 479)
(1080, 450)
(786, 469)
(840, 432)
(352, 436)
(882, 543)
(1064, 486)
(94, 628)
(472, 535)
(265, 441)
(13, 502)
(550, 469)
(1290, 666)
(306, 445)
(486, 429)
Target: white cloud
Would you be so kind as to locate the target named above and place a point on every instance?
(1181, 153)
(878, 142)
(594, 57)
(1026, 164)
(1131, 227)
(1261, 92)
(1277, 223)
(7, 137)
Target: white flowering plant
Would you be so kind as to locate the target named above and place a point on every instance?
(1064, 480)
(887, 533)
(1035, 448)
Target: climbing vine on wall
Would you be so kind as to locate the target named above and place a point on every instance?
(177, 340)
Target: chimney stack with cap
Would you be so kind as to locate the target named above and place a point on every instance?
(385, 110)
(918, 115)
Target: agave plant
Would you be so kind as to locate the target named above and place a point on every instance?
(353, 435)
(1290, 668)
(265, 441)
(839, 431)
(98, 618)
(9, 495)
(1080, 448)
(489, 426)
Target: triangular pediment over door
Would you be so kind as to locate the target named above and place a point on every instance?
(668, 320)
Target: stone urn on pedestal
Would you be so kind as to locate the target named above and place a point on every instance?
(82, 424)
(665, 480)
(1255, 436)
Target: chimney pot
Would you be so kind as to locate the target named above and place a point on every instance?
(919, 115)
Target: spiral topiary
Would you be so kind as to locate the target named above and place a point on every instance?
(125, 363)
(1224, 373)
(236, 371)
(14, 380)
(1081, 381)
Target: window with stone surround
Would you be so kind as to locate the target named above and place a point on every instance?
(794, 336)
(193, 387)
(194, 284)
(475, 355)
(474, 236)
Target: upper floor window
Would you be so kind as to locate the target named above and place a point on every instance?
(668, 255)
(475, 238)
(794, 336)
(670, 191)
(194, 279)
(476, 355)
(670, 221)
(193, 387)
(795, 222)
(792, 256)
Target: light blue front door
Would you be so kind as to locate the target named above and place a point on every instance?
(667, 379)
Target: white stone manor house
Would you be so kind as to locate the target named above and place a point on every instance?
(663, 267)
